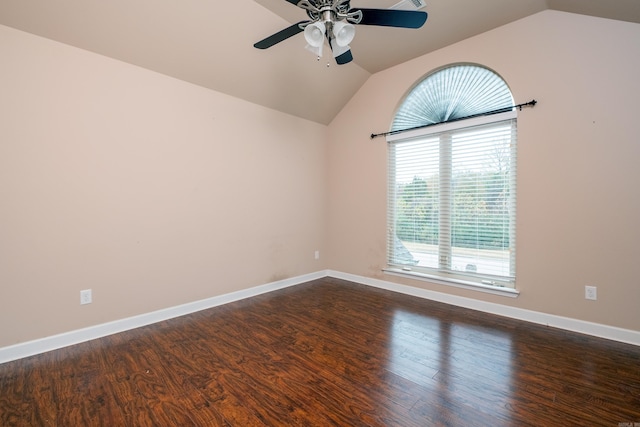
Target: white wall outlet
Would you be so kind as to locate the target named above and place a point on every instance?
(317, 254)
(591, 292)
(85, 297)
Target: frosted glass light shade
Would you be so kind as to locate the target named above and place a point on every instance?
(314, 34)
(343, 33)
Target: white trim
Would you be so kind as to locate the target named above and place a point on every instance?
(444, 127)
(574, 325)
(66, 339)
(456, 283)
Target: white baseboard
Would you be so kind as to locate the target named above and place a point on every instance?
(594, 329)
(66, 339)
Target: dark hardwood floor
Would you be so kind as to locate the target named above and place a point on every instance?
(329, 353)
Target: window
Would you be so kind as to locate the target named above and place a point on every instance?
(452, 186)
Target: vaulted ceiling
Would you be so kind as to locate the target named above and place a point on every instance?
(210, 42)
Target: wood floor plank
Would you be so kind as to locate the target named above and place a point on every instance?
(14, 401)
(328, 353)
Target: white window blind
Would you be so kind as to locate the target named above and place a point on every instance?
(452, 200)
(452, 93)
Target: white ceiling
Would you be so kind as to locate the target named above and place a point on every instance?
(210, 42)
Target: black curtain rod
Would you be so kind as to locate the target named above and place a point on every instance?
(531, 103)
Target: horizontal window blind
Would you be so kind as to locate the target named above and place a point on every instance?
(452, 193)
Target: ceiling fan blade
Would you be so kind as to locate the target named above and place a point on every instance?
(344, 58)
(280, 36)
(392, 17)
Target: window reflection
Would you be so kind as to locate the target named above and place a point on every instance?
(455, 368)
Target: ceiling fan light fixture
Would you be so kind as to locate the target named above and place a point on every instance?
(337, 49)
(343, 33)
(316, 50)
(342, 54)
(334, 20)
(314, 34)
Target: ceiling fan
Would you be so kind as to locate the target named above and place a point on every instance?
(334, 20)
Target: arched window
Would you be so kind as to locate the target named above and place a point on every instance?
(452, 181)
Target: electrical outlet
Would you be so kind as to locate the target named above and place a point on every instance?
(85, 297)
(591, 292)
(317, 255)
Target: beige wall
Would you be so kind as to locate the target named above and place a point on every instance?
(154, 192)
(148, 190)
(578, 164)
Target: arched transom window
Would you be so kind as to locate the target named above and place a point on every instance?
(452, 93)
(452, 181)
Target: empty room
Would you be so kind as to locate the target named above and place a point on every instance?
(319, 213)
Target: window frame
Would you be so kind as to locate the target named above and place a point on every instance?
(482, 282)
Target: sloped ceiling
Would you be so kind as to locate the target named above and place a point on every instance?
(210, 43)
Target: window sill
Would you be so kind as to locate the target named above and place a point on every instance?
(479, 287)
